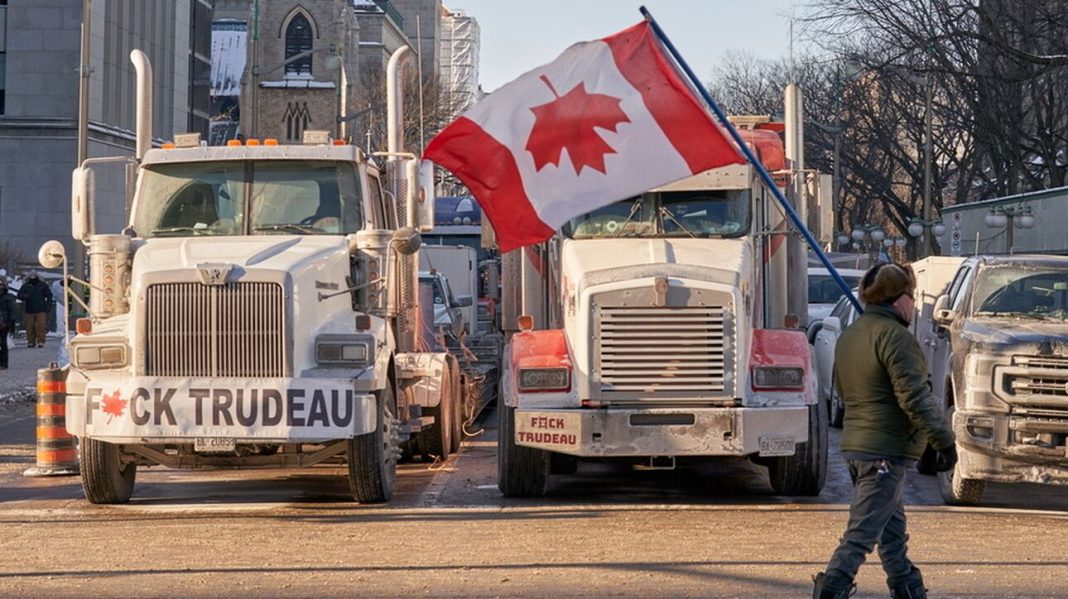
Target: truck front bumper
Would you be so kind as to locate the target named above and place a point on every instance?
(154, 410)
(621, 432)
(1006, 448)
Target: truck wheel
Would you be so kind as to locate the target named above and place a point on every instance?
(436, 440)
(955, 489)
(561, 463)
(457, 410)
(521, 471)
(805, 472)
(373, 457)
(105, 479)
(836, 408)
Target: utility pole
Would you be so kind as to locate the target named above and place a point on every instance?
(928, 159)
(836, 184)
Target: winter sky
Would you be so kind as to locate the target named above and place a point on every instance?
(520, 35)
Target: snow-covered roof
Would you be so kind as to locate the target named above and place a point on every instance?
(228, 40)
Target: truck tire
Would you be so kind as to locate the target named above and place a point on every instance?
(521, 471)
(836, 407)
(104, 478)
(956, 490)
(805, 472)
(372, 458)
(436, 440)
(457, 409)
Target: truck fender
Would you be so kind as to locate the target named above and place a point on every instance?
(419, 376)
(787, 348)
(537, 349)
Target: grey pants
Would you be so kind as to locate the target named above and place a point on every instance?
(876, 517)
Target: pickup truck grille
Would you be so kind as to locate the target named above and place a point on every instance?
(237, 329)
(1035, 385)
(664, 349)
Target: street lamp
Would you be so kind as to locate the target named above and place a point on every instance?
(917, 226)
(874, 233)
(1007, 217)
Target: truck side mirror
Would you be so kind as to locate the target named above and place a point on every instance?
(942, 315)
(832, 324)
(81, 203)
(419, 181)
(406, 240)
(463, 301)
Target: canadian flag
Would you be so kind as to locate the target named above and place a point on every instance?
(607, 120)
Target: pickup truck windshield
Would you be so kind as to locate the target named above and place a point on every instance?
(252, 197)
(1034, 291)
(703, 213)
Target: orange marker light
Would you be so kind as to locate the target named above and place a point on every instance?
(252, 142)
(83, 326)
(339, 142)
(270, 141)
(233, 143)
(167, 146)
(526, 322)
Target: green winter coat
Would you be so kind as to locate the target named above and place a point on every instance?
(882, 379)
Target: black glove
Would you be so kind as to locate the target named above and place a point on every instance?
(946, 459)
(926, 464)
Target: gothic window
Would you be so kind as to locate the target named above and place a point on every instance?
(299, 39)
(297, 118)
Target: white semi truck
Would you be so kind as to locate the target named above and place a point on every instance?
(261, 309)
(654, 331)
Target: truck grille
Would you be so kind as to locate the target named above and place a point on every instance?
(664, 349)
(237, 329)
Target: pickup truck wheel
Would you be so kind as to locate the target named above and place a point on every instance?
(836, 409)
(805, 472)
(521, 471)
(372, 458)
(105, 479)
(955, 489)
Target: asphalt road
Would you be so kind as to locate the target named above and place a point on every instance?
(609, 530)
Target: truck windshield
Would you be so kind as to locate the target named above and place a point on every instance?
(254, 197)
(1035, 291)
(703, 213)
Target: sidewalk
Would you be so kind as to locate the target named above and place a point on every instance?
(18, 382)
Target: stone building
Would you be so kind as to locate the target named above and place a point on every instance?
(39, 83)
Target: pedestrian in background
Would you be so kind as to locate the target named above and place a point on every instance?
(36, 297)
(7, 320)
(890, 417)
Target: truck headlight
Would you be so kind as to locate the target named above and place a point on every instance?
(544, 379)
(344, 350)
(91, 357)
(779, 378)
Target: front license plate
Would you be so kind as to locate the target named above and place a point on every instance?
(216, 444)
(776, 446)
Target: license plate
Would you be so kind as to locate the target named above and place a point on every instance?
(777, 446)
(214, 444)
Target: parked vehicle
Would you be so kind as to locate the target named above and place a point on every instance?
(998, 353)
(261, 309)
(842, 315)
(824, 294)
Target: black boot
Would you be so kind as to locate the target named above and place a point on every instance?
(820, 591)
(909, 586)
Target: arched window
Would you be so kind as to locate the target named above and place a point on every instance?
(299, 39)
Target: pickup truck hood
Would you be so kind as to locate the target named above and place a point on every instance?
(1007, 334)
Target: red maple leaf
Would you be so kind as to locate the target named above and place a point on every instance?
(113, 405)
(568, 122)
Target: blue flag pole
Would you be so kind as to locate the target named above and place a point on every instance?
(787, 208)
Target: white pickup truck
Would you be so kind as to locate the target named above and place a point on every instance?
(996, 341)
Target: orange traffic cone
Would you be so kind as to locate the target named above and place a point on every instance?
(56, 452)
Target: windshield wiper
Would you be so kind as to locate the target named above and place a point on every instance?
(667, 213)
(633, 210)
(164, 230)
(291, 228)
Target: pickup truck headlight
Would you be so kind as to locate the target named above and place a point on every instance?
(544, 379)
(91, 357)
(344, 350)
(778, 378)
